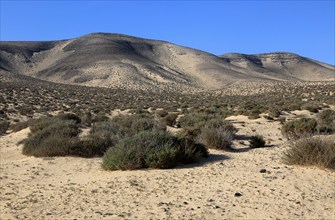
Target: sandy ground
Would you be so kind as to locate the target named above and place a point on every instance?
(227, 185)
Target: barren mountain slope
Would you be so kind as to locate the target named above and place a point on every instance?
(285, 66)
(113, 60)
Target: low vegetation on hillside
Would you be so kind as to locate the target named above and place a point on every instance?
(199, 116)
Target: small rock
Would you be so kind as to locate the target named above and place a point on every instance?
(210, 200)
(185, 203)
(215, 207)
(237, 194)
(262, 171)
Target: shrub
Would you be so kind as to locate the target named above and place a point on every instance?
(102, 136)
(91, 146)
(133, 124)
(41, 123)
(44, 122)
(274, 112)
(4, 125)
(55, 140)
(161, 113)
(254, 114)
(195, 119)
(310, 107)
(153, 149)
(86, 119)
(299, 128)
(19, 126)
(69, 116)
(326, 121)
(217, 134)
(317, 151)
(170, 119)
(257, 141)
(100, 117)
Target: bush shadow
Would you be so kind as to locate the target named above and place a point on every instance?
(212, 158)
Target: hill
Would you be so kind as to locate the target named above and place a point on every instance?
(120, 61)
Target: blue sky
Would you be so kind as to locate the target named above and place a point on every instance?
(218, 27)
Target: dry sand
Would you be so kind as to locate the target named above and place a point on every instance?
(77, 188)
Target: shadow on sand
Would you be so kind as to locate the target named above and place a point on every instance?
(212, 158)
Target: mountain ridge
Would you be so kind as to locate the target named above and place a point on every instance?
(117, 60)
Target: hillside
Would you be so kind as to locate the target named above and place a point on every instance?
(120, 61)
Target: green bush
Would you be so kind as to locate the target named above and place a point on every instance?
(102, 136)
(129, 125)
(326, 121)
(254, 114)
(217, 134)
(257, 141)
(19, 126)
(317, 151)
(69, 116)
(274, 112)
(195, 119)
(299, 128)
(169, 119)
(152, 149)
(61, 139)
(44, 122)
(55, 140)
(161, 113)
(310, 107)
(91, 146)
(100, 117)
(36, 125)
(4, 125)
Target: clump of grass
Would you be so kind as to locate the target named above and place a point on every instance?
(217, 134)
(299, 128)
(4, 125)
(129, 125)
(257, 141)
(254, 114)
(326, 121)
(169, 119)
(44, 122)
(274, 112)
(68, 117)
(310, 107)
(57, 139)
(152, 149)
(316, 151)
(19, 126)
(161, 113)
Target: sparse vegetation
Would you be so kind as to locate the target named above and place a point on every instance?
(310, 107)
(299, 128)
(326, 121)
(152, 149)
(217, 134)
(257, 141)
(4, 125)
(316, 151)
(56, 139)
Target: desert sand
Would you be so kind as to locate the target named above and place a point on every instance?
(227, 185)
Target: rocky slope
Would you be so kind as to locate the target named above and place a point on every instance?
(114, 60)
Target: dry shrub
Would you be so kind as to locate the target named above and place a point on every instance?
(299, 128)
(316, 151)
(217, 134)
(152, 149)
